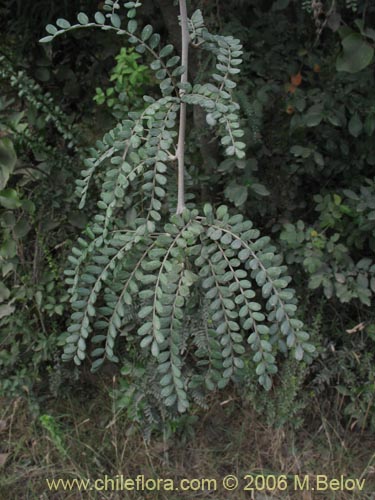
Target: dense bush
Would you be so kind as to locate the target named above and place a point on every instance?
(303, 172)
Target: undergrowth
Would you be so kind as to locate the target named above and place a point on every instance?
(81, 442)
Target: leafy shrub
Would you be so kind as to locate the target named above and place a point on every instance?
(327, 250)
(144, 273)
(32, 296)
(130, 79)
(303, 121)
(310, 127)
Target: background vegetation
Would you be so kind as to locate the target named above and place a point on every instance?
(308, 180)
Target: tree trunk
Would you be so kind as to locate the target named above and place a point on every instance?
(208, 145)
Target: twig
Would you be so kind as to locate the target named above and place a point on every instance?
(182, 129)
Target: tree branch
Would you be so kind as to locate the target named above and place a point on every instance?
(182, 130)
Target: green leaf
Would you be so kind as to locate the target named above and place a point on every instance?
(21, 228)
(115, 20)
(9, 199)
(6, 310)
(260, 189)
(314, 115)
(370, 124)
(170, 400)
(46, 39)
(216, 234)
(146, 341)
(172, 61)
(63, 23)
(132, 26)
(221, 211)
(97, 364)
(4, 292)
(357, 54)
(299, 353)
(82, 18)
(154, 40)
(8, 160)
(51, 29)
(309, 348)
(147, 32)
(165, 51)
(211, 121)
(145, 311)
(132, 13)
(99, 18)
(236, 194)
(355, 125)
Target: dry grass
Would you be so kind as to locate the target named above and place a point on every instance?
(228, 440)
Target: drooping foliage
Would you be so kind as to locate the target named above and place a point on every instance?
(302, 171)
(141, 270)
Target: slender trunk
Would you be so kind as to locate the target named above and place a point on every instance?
(182, 130)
